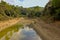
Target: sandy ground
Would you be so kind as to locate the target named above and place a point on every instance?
(8, 23)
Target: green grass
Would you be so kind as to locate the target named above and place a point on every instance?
(13, 27)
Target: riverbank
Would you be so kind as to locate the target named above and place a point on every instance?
(13, 24)
(8, 23)
(47, 31)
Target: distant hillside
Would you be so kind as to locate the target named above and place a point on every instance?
(10, 11)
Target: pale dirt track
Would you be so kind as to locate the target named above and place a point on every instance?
(8, 23)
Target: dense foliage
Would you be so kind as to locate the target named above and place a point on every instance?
(11, 11)
(56, 7)
(56, 3)
(52, 11)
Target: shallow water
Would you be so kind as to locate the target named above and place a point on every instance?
(24, 33)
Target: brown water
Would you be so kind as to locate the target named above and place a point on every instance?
(24, 33)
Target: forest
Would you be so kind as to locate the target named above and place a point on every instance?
(50, 12)
(10, 11)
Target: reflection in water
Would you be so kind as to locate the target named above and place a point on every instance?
(25, 33)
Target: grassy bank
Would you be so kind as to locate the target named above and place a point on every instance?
(8, 23)
(13, 27)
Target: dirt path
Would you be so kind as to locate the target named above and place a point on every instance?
(5, 24)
